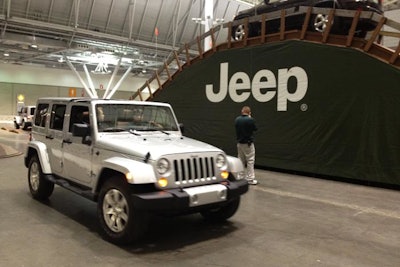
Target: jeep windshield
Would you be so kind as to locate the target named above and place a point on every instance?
(133, 117)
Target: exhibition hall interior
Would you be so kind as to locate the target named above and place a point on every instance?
(120, 141)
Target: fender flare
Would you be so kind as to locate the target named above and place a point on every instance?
(140, 172)
(235, 165)
(41, 151)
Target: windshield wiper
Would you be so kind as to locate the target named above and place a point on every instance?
(113, 129)
(134, 132)
(154, 130)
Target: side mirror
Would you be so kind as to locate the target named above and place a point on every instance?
(80, 129)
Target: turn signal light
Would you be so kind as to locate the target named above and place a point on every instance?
(225, 174)
(163, 182)
(129, 177)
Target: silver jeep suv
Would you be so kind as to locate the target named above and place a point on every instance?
(132, 159)
(24, 117)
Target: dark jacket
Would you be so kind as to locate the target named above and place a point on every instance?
(245, 127)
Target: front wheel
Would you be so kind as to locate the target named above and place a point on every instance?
(238, 32)
(39, 187)
(222, 213)
(120, 222)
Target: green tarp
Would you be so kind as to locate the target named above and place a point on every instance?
(319, 108)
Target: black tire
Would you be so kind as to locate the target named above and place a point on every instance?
(120, 222)
(40, 187)
(24, 126)
(222, 213)
(16, 125)
(238, 32)
(319, 22)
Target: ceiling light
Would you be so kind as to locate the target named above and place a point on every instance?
(102, 68)
(6, 54)
(34, 46)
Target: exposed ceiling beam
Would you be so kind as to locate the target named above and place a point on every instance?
(109, 16)
(50, 11)
(142, 19)
(89, 22)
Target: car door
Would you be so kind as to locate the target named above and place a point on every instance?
(54, 137)
(77, 155)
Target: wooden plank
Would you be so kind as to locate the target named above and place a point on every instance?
(306, 23)
(263, 27)
(140, 94)
(229, 34)
(148, 86)
(246, 31)
(329, 26)
(353, 27)
(177, 61)
(188, 60)
(282, 32)
(214, 47)
(158, 81)
(199, 47)
(395, 55)
(167, 70)
(375, 34)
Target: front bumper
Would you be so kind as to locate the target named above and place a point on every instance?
(179, 200)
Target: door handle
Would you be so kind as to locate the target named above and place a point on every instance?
(67, 141)
(49, 137)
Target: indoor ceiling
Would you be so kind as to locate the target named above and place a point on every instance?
(100, 34)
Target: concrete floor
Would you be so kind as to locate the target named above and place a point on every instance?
(286, 220)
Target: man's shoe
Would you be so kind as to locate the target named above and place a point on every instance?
(252, 182)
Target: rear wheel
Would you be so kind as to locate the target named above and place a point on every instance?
(319, 22)
(222, 213)
(121, 223)
(39, 187)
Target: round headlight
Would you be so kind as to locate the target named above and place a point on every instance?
(162, 165)
(220, 161)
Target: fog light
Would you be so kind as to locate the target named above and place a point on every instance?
(225, 174)
(163, 182)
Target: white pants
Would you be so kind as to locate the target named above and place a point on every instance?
(247, 154)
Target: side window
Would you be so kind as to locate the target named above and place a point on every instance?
(79, 114)
(41, 114)
(57, 117)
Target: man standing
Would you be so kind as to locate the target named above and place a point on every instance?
(245, 127)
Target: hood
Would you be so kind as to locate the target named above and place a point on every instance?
(157, 144)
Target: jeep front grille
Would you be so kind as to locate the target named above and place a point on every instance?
(192, 170)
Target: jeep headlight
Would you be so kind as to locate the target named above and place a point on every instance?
(220, 161)
(162, 166)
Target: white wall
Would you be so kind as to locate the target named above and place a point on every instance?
(34, 82)
(391, 41)
(10, 73)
